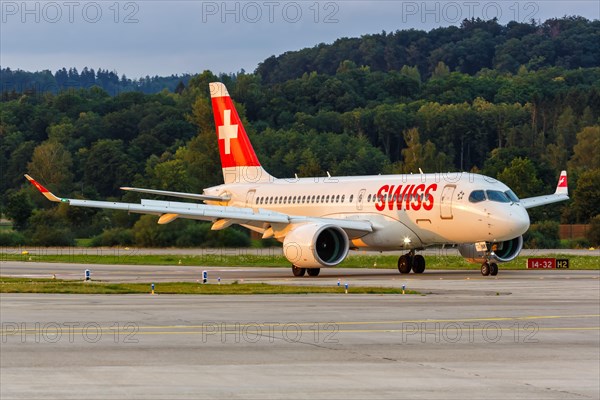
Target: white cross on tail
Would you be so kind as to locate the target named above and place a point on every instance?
(227, 131)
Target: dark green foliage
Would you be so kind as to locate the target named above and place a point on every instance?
(185, 233)
(569, 42)
(113, 237)
(593, 234)
(544, 235)
(19, 208)
(12, 239)
(49, 228)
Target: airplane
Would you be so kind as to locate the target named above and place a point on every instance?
(319, 219)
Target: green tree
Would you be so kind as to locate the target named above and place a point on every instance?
(108, 167)
(18, 209)
(520, 176)
(585, 153)
(586, 195)
(52, 164)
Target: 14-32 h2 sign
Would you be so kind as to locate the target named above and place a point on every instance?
(547, 263)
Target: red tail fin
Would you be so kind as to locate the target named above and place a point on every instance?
(238, 159)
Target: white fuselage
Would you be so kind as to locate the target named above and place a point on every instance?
(409, 211)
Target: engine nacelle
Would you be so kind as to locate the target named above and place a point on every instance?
(498, 251)
(316, 245)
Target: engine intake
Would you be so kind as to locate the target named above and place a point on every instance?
(504, 251)
(316, 245)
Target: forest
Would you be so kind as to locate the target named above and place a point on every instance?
(518, 102)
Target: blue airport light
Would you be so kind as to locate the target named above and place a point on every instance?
(88, 274)
(204, 276)
(339, 282)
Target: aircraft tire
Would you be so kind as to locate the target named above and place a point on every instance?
(493, 269)
(418, 264)
(298, 271)
(313, 271)
(404, 264)
(485, 269)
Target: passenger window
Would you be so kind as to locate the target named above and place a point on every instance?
(343, 197)
(369, 199)
(337, 198)
(477, 196)
(327, 200)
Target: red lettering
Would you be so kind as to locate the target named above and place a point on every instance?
(389, 198)
(413, 196)
(428, 203)
(380, 205)
(416, 204)
(408, 194)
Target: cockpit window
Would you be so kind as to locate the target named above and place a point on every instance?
(498, 196)
(476, 196)
(512, 196)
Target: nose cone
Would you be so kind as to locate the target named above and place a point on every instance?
(517, 220)
(508, 222)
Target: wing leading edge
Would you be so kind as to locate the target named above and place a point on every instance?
(170, 210)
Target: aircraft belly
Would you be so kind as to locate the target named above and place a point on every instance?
(391, 234)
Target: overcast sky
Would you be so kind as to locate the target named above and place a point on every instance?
(139, 38)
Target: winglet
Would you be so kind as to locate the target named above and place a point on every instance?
(562, 187)
(48, 194)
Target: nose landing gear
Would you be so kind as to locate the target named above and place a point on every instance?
(488, 268)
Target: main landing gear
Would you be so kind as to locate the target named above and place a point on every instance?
(488, 268)
(297, 271)
(413, 261)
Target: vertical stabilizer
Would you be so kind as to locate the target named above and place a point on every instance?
(238, 159)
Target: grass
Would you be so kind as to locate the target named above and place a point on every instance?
(27, 285)
(355, 261)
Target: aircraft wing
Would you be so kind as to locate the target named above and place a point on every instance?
(561, 194)
(169, 211)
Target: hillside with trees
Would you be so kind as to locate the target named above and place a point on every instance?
(518, 102)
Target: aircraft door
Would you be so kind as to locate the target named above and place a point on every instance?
(446, 202)
(360, 199)
(250, 199)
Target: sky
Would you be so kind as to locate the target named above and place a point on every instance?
(139, 38)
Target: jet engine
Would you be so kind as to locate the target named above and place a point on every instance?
(316, 245)
(496, 251)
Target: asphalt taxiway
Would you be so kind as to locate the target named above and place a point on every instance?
(522, 334)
